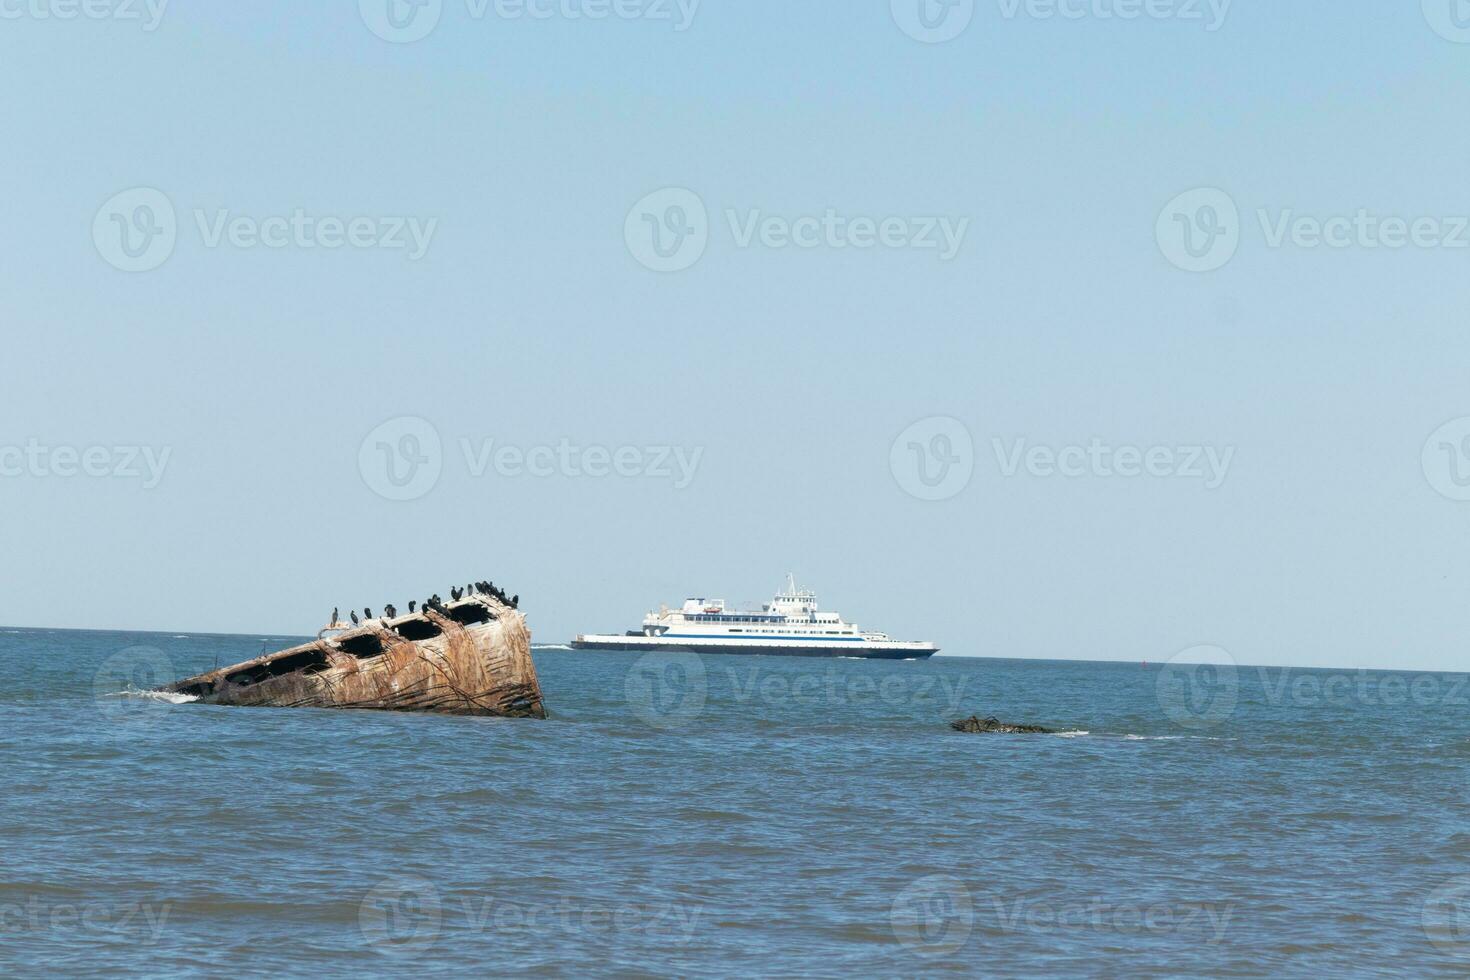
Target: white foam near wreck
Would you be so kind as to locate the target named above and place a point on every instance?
(165, 697)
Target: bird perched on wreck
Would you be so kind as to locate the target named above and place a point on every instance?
(354, 618)
(390, 610)
(411, 604)
(335, 617)
(515, 601)
(367, 614)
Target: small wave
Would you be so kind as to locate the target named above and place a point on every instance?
(549, 646)
(167, 697)
(1175, 738)
(181, 636)
(1129, 737)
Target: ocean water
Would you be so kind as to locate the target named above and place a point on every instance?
(736, 816)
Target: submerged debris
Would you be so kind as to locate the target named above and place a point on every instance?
(975, 725)
(470, 656)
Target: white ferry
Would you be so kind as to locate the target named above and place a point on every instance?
(790, 625)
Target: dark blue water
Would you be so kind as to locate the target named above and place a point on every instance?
(735, 816)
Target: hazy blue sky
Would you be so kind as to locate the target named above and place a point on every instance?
(520, 149)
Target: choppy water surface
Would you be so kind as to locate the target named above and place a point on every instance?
(733, 816)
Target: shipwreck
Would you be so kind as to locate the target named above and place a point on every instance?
(469, 656)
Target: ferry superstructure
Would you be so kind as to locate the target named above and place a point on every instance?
(790, 625)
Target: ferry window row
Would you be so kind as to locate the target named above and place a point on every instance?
(760, 619)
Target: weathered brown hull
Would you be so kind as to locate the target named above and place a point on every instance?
(477, 669)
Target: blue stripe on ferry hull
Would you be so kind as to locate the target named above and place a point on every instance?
(766, 639)
(772, 651)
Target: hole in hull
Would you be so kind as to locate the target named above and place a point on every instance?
(306, 661)
(471, 614)
(418, 629)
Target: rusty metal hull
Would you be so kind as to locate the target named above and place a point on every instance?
(479, 668)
